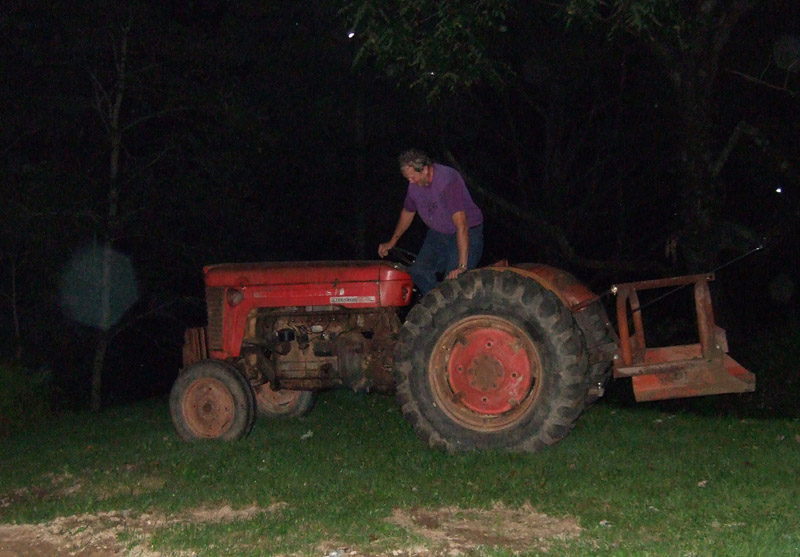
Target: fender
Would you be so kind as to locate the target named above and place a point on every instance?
(569, 289)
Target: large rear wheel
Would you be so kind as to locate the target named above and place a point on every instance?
(602, 344)
(212, 400)
(491, 361)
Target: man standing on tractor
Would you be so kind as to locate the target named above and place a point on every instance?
(454, 241)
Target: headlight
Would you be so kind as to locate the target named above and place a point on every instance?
(234, 297)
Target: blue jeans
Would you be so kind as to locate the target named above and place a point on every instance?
(439, 254)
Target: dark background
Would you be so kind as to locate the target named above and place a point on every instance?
(190, 133)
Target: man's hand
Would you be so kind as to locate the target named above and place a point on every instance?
(403, 222)
(383, 249)
(455, 272)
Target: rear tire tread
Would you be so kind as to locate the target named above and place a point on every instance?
(508, 295)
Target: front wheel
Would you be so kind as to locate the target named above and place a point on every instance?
(212, 400)
(283, 403)
(492, 360)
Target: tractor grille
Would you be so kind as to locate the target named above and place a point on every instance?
(215, 297)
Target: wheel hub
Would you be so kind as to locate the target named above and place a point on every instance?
(208, 408)
(488, 370)
(485, 372)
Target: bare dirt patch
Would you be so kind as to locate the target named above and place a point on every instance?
(454, 531)
(458, 530)
(97, 534)
(442, 531)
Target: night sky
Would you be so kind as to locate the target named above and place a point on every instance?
(247, 133)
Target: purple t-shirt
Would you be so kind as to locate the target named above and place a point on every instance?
(445, 196)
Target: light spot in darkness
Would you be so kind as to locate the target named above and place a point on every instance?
(98, 286)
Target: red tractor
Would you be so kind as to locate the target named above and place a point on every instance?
(504, 357)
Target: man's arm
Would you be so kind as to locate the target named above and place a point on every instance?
(403, 222)
(462, 241)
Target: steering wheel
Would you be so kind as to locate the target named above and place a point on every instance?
(402, 256)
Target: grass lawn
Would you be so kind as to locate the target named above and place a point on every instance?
(352, 479)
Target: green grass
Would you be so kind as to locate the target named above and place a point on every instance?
(638, 480)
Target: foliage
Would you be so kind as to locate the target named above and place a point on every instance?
(25, 397)
(438, 45)
(210, 138)
(638, 481)
(643, 17)
(773, 352)
(688, 41)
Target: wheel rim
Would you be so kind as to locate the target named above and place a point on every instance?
(485, 372)
(208, 408)
(280, 401)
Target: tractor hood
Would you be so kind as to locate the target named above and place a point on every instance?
(302, 272)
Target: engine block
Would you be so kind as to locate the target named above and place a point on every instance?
(318, 347)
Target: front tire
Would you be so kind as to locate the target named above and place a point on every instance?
(492, 360)
(212, 400)
(283, 403)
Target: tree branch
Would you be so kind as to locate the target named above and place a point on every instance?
(550, 231)
(758, 80)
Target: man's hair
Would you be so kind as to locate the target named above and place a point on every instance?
(414, 158)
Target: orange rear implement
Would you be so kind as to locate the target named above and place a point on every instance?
(679, 371)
